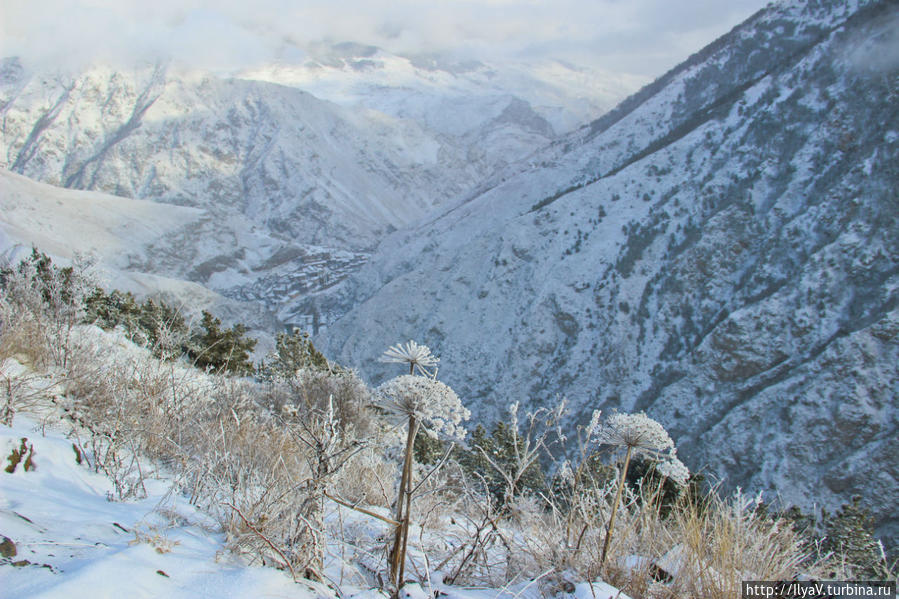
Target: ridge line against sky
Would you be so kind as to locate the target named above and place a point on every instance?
(643, 38)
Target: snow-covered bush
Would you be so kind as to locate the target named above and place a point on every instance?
(292, 354)
(40, 304)
(152, 323)
(220, 349)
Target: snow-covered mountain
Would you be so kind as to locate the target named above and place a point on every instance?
(296, 190)
(453, 97)
(721, 250)
(117, 232)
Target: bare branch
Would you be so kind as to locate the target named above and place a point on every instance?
(263, 537)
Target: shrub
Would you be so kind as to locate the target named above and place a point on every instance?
(153, 323)
(491, 455)
(221, 349)
(41, 306)
(292, 354)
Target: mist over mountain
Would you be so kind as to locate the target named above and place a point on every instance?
(721, 250)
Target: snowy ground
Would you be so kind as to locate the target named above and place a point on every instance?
(115, 231)
(73, 540)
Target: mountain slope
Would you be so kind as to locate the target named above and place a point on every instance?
(296, 190)
(721, 250)
(117, 232)
(450, 96)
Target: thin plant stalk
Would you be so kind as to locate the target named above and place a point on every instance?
(408, 498)
(403, 508)
(608, 541)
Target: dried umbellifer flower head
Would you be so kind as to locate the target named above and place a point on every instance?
(432, 403)
(411, 353)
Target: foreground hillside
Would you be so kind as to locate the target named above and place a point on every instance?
(69, 536)
(129, 469)
(720, 251)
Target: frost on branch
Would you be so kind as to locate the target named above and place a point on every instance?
(431, 402)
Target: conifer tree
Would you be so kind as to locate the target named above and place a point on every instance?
(850, 533)
(222, 349)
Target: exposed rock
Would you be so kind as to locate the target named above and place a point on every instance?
(7, 547)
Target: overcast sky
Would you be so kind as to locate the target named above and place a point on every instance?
(642, 37)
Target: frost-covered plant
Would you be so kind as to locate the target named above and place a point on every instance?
(640, 435)
(508, 460)
(38, 295)
(432, 404)
(413, 354)
(292, 354)
(674, 469)
(637, 431)
(222, 349)
(421, 401)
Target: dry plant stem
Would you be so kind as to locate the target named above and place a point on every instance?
(361, 510)
(408, 515)
(264, 538)
(398, 552)
(607, 542)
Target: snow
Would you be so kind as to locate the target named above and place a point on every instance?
(75, 538)
(72, 532)
(64, 222)
(599, 590)
(113, 230)
(454, 99)
(282, 160)
(489, 282)
(119, 234)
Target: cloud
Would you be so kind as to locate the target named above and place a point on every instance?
(639, 36)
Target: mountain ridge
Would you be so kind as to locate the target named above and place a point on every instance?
(738, 282)
(277, 170)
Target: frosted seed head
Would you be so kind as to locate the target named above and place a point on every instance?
(674, 469)
(417, 356)
(432, 403)
(637, 431)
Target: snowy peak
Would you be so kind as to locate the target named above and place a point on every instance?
(430, 88)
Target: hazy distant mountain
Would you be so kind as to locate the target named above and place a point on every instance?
(296, 190)
(721, 250)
